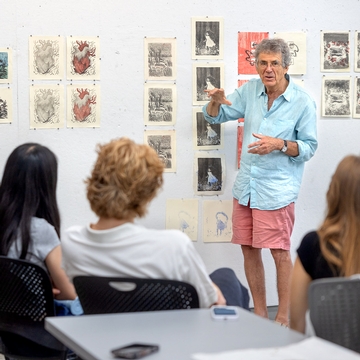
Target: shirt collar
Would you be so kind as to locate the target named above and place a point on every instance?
(286, 94)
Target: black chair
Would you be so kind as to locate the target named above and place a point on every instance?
(26, 298)
(102, 295)
(334, 305)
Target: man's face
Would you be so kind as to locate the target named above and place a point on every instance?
(270, 69)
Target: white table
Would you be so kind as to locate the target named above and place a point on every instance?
(179, 333)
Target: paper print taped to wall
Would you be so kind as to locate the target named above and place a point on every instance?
(206, 136)
(163, 142)
(336, 96)
(160, 104)
(207, 38)
(356, 112)
(83, 105)
(247, 42)
(357, 51)
(5, 106)
(46, 57)
(217, 224)
(5, 65)
(160, 58)
(297, 46)
(240, 140)
(335, 49)
(83, 58)
(206, 77)
(240, 83)
(46, 107)
(182, 214)
(209, 174)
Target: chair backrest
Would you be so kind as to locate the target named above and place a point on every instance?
(100, 295)
(25, 300)
(334, 305)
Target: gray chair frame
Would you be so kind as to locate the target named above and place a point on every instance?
(101, 295)
(334, 305)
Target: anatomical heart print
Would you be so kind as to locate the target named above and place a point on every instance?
(46, 106)
(83, 61)
(83, 105)
(46, 57)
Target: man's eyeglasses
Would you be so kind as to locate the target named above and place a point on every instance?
(273, 64)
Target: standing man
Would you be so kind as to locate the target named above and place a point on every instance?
(279, 136)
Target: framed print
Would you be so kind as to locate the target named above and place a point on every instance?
(357, 51)
(46, 107)
(46, 58)
(83, 58)
(182, 214)
(6, 106)
(217, 220)
(83, 105)
(163, 142)
(335, 49)
(209, 175)
(207, 38)
(356, 111)
(5, 65)
(336, 96)
(160, 58)
(159, 104)
(206, 136)
(206, 77)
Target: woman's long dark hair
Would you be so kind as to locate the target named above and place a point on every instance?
(27, 190)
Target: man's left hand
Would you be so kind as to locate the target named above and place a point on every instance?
(264, 145)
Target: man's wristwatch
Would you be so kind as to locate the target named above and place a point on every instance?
(284, 148)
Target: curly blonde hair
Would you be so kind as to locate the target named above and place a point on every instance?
(125, 178)
(340, 232)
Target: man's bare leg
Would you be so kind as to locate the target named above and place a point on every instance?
(254, 271)
(284, 266)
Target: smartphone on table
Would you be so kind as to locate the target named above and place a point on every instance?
(221, 312)
(135, 351)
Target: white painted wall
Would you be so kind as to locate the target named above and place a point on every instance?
(122, 25)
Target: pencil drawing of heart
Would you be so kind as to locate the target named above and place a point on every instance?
(82, 108)
(81, 59)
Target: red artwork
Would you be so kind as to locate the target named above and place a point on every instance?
(240, 137)
(81, 59)
(241, 82)
(82, 108)
(247, 42)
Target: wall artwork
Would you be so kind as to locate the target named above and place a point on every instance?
(357, 51)
(356, 111)
(206, 136)
(182, 214)
(336, 96)
(207, 38)
(83, 105)
(206, 77)
(247, 42)
(6, 106)
(209, 174)
(46, 58)
(160, 58)
(83, 58)
(163, 142)
(335, 49)
(297, 46)
(160, 104)
(240, 83)
(5, 65)
(240, 140)
(217, 223)
(47, 107)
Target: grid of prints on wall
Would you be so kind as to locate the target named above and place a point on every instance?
(340, 93)
(6, 106)
(47, 55)
(208, 73)
(160, 98)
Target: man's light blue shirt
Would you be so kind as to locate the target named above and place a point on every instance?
(271, 181)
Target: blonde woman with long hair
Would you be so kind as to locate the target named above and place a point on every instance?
(334, 249)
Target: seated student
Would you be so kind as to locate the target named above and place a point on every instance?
(125, 178)
(29, 216)
(334, 249)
